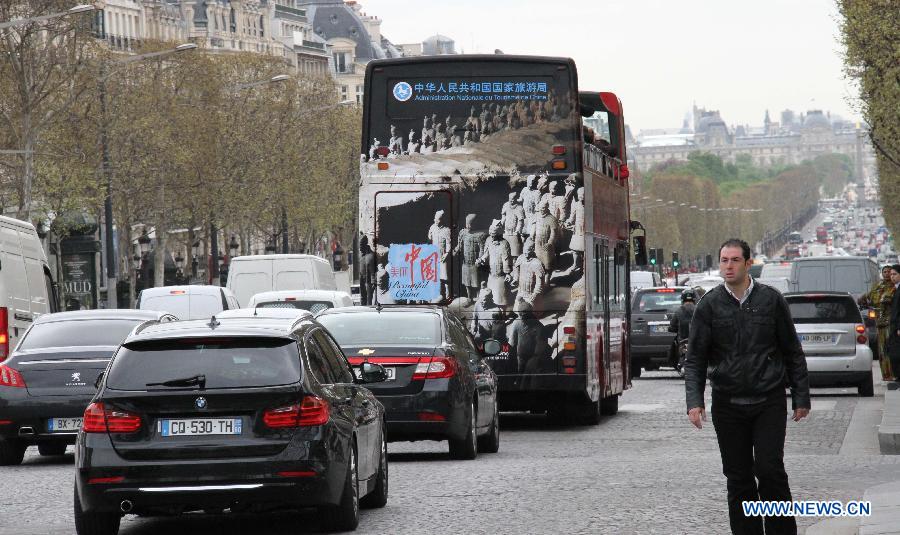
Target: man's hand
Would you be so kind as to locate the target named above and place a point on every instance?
(800, 414)
(697, 416)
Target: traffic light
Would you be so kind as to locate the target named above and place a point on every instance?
(653, 256)
(660, 257)
(675, 263)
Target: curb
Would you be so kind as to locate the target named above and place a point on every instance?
(889, 430)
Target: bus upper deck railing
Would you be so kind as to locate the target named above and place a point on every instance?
(600, 162)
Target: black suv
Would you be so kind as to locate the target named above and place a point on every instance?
(243, 414)
(652, 345)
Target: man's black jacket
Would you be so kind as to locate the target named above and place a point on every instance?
(745, 351)
(681, 320)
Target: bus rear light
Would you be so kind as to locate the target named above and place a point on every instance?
(559, 150)
(568, 329)
(558, 165)
(11, 377)
(569, 371)
(383, 166)
(624, 172)
(383, 151)
(569, 346)
(4, 333)
(569, 362)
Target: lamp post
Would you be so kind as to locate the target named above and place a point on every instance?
(233, 247)
(179, 264)
(195, 250)
(80, 8)
(223, 270)
(111, 263)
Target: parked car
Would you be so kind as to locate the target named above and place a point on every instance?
(644, 279)
(249, 275)
(834, 339)
(26, 288)
(49, 379)
(194, 302)
(438, 387)
(244, 414)
(652, 345)
(314, 301)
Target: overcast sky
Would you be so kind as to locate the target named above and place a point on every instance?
(659, 56)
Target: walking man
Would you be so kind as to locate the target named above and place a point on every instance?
(743, 339)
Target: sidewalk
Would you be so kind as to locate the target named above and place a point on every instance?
(885, 498)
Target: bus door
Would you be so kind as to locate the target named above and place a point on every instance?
(414, 236)
(614, 365)
(599, 323)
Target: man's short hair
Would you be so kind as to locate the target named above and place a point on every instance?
(736, 242)
(896, 267)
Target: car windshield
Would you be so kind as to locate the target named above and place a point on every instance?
(313, 306)
(658, 302)
(383, 328)
(106, 332)
(824, 309)
(223, 363)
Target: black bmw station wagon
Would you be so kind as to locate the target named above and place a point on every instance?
(240, 414)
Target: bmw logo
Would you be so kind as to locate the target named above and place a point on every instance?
(402, 91)
(200, 403)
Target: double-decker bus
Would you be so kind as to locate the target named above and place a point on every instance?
(490, 186)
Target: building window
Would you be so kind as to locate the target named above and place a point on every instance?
(262, 28)
(343, 92)
(359, 94)
(340, 61)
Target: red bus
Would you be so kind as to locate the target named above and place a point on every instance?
(821, 234)
(490, 186)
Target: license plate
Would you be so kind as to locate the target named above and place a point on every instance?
(818, 338)
(391, 373)
(64, 425)
(659, 328)
(199, 426)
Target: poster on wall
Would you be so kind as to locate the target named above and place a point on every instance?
(79, 274)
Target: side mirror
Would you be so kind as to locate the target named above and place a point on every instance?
(99, 380)
(640, 250)
(372, 373)
(492, 347)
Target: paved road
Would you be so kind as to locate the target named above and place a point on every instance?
(642, 471)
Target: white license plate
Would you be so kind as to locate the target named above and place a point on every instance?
(64, 425)
(818, 338)
(659, 328)
(391, 373)
(199, 426)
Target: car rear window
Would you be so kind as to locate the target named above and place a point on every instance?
(313, 306)
(383, 328)
(824, 309)
(185, 306)
(224, 363)
(111, 332)
(665, 301)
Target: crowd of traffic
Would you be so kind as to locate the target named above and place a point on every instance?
(190, 403)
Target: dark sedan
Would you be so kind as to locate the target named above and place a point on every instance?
(49, 379)
(238, 414)
(438, 386)
(652, 345)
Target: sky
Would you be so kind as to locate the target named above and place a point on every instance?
(740, 57)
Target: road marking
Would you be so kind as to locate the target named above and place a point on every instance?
(641, 407)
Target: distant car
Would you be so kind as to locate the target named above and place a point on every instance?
(49, 379)
(439, 385)
(192, 302)
(241, 414)
(652, 345)
(834, 340)
(314, 301)
(644, 279)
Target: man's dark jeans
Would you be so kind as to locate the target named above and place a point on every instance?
(751, 441)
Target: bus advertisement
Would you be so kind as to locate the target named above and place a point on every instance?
(483, 191)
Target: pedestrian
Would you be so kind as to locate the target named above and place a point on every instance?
(893, 343)
(743, 339)
(680, 324)
(880, 298)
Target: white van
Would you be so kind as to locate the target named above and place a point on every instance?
(194, 302)
(26, 287)
(314, 301)
(852, 274)
(250, 275)
(645, 279)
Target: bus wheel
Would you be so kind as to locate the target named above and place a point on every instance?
(610, 405)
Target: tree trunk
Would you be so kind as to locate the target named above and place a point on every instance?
(25, 205)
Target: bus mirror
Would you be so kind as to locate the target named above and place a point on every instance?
(640, 250)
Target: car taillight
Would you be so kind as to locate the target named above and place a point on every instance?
(872, 314)
(862, 339)
(311, 411)
(11, 377)
(436, 368)
(861, 329)
(99, 419)
(4, 333)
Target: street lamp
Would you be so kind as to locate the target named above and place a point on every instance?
(111, 264)
(80, 8)
(195, 250)
(273, 80)
(144, 243)
(270, 248)
(233, 247)
(179, 261)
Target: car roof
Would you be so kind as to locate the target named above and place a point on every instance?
(832, 258)
(102, 314)
(266, 312)
(226, 327)
(298, 256)
(309, 294)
